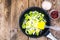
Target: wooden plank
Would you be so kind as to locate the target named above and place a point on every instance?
(32, 38)
(17, 7)
(42, 38)
(7, 16)
(22, 5)
(13, 29)
(2, 28)
(58, 5)
(33, 3)
(40, 3)
(0, 1)
(4, 24)
(54, 3)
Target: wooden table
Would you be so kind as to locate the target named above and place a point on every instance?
(10, 10)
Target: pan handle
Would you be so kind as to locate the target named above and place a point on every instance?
(51, 36)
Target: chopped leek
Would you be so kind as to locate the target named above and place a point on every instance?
(33, 23)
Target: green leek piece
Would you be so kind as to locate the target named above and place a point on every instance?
(37, 31)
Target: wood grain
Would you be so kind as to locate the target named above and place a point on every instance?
(0, 1)
(4, 20)
(20, 6)
(40, 3)
(13, 29)
(33, 3)
(16, 8)
(42, 38)
(32, 38)
(11, 10)
(2, 28)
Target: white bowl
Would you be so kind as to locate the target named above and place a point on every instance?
(46, 5)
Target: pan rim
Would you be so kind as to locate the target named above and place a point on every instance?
(24, 12)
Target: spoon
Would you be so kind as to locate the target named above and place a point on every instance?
(56, 28)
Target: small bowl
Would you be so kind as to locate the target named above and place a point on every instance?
(51, 16)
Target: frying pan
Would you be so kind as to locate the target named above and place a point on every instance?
(44, 32)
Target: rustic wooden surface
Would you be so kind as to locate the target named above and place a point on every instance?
(10, 11)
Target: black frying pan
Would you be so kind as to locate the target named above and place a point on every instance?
(44, 32)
